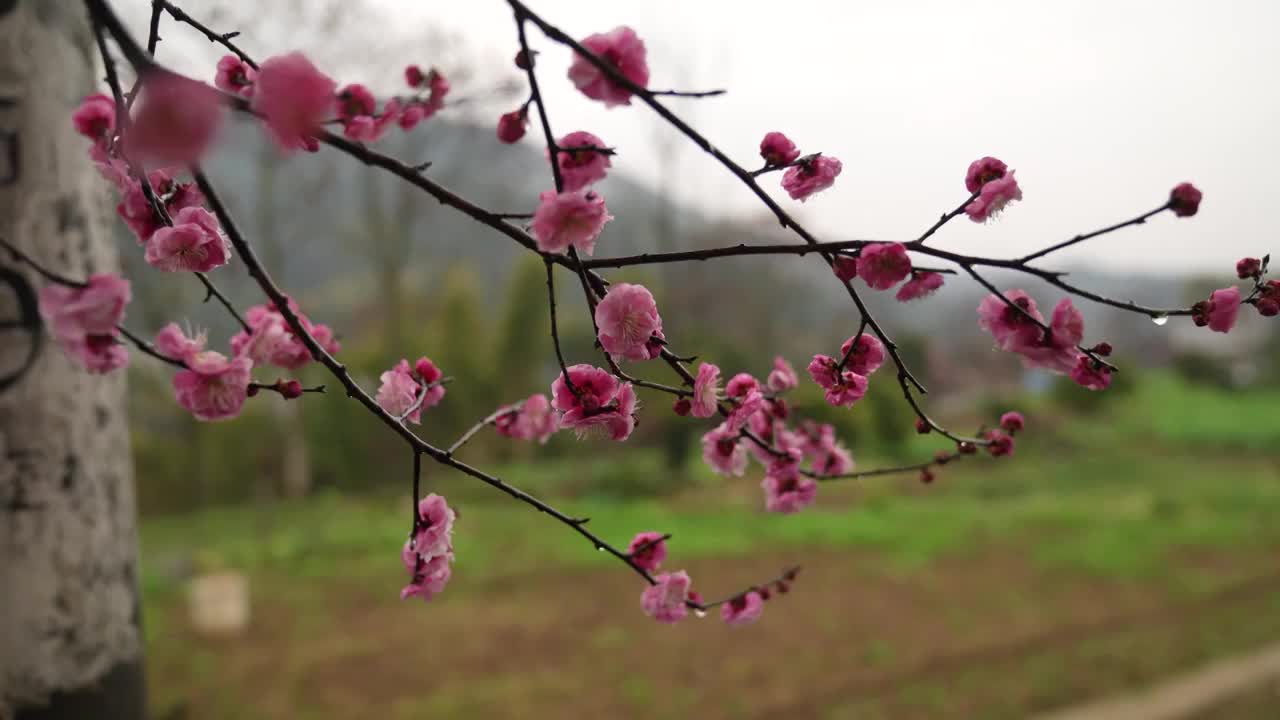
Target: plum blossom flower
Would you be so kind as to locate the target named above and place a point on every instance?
(401, 387)
(512, 125)
(620, 48)
(777, 149)
(176, 120)
(83, 320)
(788, 493)
(531, 420)
(742, 609)
(1001, 444)
(811, 176)
(95, 118)
(750, 404)
(138, 213)
(845, 267)
(569, 219)
(994, 196)
(1268, 303)
(1012, 421)
(581, 168)
(294, 98)
(921, 284)
(1057, 351)
(883, 265)
(1011, 329)
(1248, 267)
(832, 458)
(724, 452)
(193, 244)
(665, 600)
(1091, 374)
(173, 343)
(213, 387)
(983, 171)
(741, 384)
(843, 387)
(706, 391)
(1221, 310)
(428, 576)
(865, 351)
(434, 532)
(235, 76)
(600, 401)
(271, 340)
(782, 377)
(628, 320)
(648, 550)
(1184, 199)
(358, 112)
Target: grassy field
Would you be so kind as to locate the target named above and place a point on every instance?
(1111, 550)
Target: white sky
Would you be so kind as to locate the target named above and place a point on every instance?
(1101, 106)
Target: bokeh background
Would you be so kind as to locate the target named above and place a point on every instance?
(1134, 535)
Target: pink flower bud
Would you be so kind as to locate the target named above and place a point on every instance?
(845, 267)
(777, 149)
(511, 126)
(1184, 200)
(1249, 267)
(922, 427)
(682, 407)
(414, 76)
(290, 389)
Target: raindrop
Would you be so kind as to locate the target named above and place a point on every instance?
(700, 613)
(1159, 319)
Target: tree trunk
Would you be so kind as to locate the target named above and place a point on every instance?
(70, 621)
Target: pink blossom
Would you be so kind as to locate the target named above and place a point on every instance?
(581, 168)
(1268, 304)
(1184, 199)
(1011, 329)
(920, 285)
(724, 452)
(235, 76)
(782, 377)
(741, 384)
(815, 437)
(788, 493)
(777, 149)
(173, 343)
(414, 77)
(532, 420)
(1248, 267)
(648, 550)
(628, 318)
(742, 609)
(993, 198)
(750, 404)
(1224, 306)
(272, 341)
(665, 600)
(983, 171)
(294, 98)
(401, 387)
(620, 48)
(176, 120)
(139, 215)
(706, 391)
(83, 320)
(843, 387)
(110, 167)
(193, 244)
(213, 387)
(428, 575)
(1056, 351)
(1001, 444)
(95, 118)
(1012, 421)
(410, 116)
(511, 126)
(1090, 374)
(569, 219)
(845, 267)
(600, 402)
(883, 265)
(434, 533)
(811, 176)
(867, 356)
(833, 459)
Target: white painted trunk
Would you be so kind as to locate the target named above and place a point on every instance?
(70, 636)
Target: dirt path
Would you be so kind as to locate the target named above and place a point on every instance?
(1184, 696)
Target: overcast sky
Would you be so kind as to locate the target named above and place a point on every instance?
(1100, 106)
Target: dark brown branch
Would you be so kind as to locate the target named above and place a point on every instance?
(1141, 219)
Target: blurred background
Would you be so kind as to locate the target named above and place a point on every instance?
(1134, 535)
